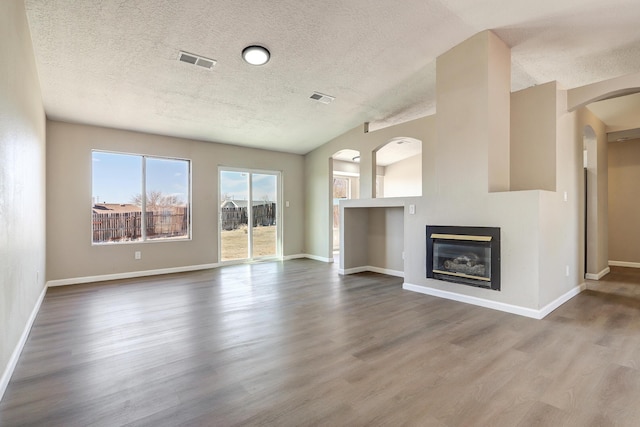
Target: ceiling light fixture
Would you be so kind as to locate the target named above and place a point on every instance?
(256, 55)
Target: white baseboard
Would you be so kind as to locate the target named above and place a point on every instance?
(495, 305)
(143, 273)
(129, 275)
(373, 269)
(290, 257)
(355, 270)
(624, 264)
(599, 275)
(13, 360)
(134, 274)
(315, 257)
(547, 309)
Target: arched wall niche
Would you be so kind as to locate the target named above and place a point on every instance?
(398, 166)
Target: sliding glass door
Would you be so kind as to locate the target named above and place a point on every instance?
(249, 202)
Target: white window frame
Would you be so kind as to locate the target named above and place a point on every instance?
(143, 201)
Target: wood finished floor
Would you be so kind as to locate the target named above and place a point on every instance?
(294, 344)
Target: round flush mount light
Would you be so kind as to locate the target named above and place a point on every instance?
(256, 55)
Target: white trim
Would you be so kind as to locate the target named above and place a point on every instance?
(317, 258)
(13, 360)
(624, 264)
(371, 268)
(598, 276)
(294, 256)
(249, 261)
(134, 274)
(344, 272)
(495, 305)
(544, 311)
(129, 275)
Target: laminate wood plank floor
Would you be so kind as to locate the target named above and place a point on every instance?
(295, 344)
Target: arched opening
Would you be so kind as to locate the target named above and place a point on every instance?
(612, 171)
(398, 165)
(345, 184)
(621, 154)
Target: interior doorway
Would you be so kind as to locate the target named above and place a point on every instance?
(345, 184)
(612, 171)
(249, 215)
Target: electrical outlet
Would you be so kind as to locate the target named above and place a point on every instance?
(566, 271)
(286, 203)
(412, 209)
(138, 255)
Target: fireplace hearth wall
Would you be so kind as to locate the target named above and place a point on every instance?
(465, 255)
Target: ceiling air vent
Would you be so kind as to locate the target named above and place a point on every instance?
(321, 97)
(200, 61)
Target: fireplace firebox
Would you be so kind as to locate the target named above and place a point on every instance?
(465, 255)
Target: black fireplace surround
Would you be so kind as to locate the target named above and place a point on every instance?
(465, 255)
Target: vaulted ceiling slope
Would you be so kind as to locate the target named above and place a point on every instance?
(114, 63)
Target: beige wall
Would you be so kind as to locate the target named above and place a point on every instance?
(386, 238)
(624, 201)
(561, 229)
(466, 85)
(533, 138)
(349, 168)
(22, 180)
(404, 178)
(375, 236)
(318, 236)
(498, 81)
(69, 250)
(462, 145)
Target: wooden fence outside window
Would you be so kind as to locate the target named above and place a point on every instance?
(126, 226)
(232, 218)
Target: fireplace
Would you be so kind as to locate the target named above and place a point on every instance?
(466, 255)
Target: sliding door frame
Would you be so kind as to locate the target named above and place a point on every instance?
(279, 216)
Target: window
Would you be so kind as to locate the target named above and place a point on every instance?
(122, 184)
(341, 187)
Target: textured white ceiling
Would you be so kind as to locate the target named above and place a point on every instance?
(114, 63)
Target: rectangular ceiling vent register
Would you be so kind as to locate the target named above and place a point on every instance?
(198, 60)
(321, 97)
